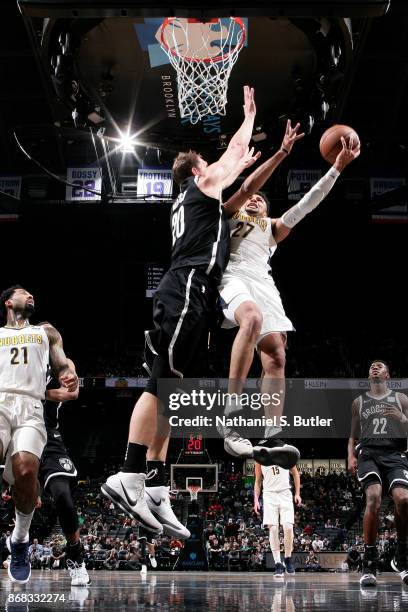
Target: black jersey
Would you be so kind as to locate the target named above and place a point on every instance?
(199, 229)
(51, 409)
(377, 430)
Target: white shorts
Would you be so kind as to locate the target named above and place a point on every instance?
(237, 288)
(278, 508)
(22, 428)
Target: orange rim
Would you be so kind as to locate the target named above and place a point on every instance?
(207, 60)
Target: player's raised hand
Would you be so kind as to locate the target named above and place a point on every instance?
(249, 102)
(291, 136)
(349, 152)
(249, 158)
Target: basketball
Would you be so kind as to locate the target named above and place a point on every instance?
(330, 143)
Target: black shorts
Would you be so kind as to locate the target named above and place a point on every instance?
(183, 311)
(55, 460)
(390, 469)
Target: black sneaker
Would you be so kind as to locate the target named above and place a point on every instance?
(369, 572)
(290, 568)
(279, 570)
(19, 569)
(273, 451)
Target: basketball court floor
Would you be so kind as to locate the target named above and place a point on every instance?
(122, 591)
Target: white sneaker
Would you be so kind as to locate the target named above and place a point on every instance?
(368, 580)
(78, 573)
(143, 571)
(158, 501)
(237, 446)
(127, 491)
(153, 561)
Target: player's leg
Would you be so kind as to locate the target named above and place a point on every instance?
(249, 318)
(275, 548)
(157, 492)
(127, 488)
(397, 477)
(180, 311)
(271, 348)
(24, 467)
(287, 519)
(373, 494)
(271, 521)
(147, 549)
(28, 439)
(60, 490)
(152, 551)
(400, 561)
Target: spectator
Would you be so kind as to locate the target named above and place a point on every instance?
(354, 559)
(317, 544)
(312, 563)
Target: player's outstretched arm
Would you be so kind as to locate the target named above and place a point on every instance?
(62, 394)
(256, 180)
(354, 435)
(223, 173)
(59, 362)
(318, 192)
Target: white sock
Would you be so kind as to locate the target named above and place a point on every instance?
(271, 431)
(275, 544)
(22, 527)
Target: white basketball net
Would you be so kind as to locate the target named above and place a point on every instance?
(203, 55)
(194, 491)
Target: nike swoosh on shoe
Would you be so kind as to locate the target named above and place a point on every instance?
(130, 501)
(155, 502)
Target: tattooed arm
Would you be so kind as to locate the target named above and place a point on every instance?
(62, 367)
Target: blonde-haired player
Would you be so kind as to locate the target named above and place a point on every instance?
(278, 509)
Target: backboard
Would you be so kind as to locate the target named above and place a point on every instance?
(205, 475)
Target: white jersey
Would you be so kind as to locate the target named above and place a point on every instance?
(252, 243)
(275, 479)
(24, 356)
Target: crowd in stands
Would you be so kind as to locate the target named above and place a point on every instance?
(329, 519)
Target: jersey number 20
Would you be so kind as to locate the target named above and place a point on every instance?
(177, 224)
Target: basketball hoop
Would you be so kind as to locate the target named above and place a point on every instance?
(194, 491)
(203, 55)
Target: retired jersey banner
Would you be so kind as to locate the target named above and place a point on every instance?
(305, 466)
(83, 179)
(154, 183)
(11, 185)
(301, 181)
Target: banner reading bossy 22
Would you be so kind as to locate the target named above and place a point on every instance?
(83, 179)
